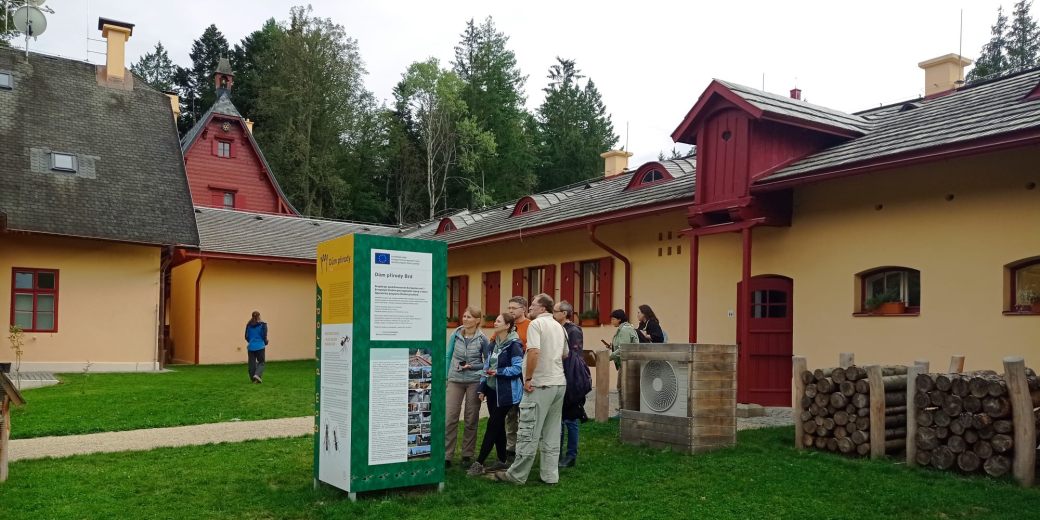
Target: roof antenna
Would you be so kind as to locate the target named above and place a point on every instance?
(626, 137)
(763, 82)
(960, 47)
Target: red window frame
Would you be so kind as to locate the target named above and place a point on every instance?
(1014, 307)
(35, 291)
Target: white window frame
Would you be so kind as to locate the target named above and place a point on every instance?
(73, 162)
(903, 282)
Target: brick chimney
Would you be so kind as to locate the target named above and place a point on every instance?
(943, 74)
(116, 34)
(615, 162)
(796, 93)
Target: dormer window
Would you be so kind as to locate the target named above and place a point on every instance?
(64, 162)
(445, 226)
(524, 206)
(650, 173)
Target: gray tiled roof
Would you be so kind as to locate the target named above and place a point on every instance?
(261, 234)
(130, 185)
(776, 104)
(573, 202)
(977, 111)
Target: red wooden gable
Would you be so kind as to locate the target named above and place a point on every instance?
(738, 142)
(220, 162)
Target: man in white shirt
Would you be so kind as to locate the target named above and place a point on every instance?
(541, 407)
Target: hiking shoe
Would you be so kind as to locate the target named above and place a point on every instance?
(497, 466)
(502, 476)
(256, 379)
(466, 461)
(259, 380)
(475, 470)
(568, 462)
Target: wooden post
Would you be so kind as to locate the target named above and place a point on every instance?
(911, 413)
(603, 366)
(956, 364)
(877, 412)
(922, 364)
(1023, 466)
(846, 359)
(5, 428)
(798, 365)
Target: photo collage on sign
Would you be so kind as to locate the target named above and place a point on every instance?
(420, 386)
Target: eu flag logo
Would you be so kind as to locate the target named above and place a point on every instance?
(383, 258)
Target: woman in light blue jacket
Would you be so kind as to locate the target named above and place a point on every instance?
(501, 386)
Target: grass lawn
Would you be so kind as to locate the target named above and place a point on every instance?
(763, 477)
(89, 403)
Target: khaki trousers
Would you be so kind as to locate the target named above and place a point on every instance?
(459, 394)
(512, 419)
(541, 418)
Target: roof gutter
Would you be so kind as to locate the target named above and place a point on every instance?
(591, 228)
(182, 256)
(579, 223)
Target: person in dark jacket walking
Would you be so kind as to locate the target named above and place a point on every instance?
(502, 389)
(649, 329)
(256, 344)
(579, 382)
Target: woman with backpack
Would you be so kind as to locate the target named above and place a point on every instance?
(256, 344)
(467, 351)
(502, 388)
(579, 382)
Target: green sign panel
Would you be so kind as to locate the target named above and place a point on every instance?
(379, 342)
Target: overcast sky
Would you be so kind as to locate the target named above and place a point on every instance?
(650, 59)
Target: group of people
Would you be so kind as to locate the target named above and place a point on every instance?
(532, 374)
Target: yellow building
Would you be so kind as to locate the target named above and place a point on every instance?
(798, 224)
(93, 198)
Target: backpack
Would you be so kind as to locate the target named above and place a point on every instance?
(579, 379)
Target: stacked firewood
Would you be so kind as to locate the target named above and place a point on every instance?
(964, 420)
(835, 409)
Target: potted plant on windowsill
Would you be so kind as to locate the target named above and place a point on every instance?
(886, 303)
(589, 318)
(489, 322)
(453, 321)
(1030, 300)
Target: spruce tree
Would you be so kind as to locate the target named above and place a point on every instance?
(993, 60)
(1023, 40)
(156, 69)
(494, 94)
(196, 83)
(253, 62)
(574, 128)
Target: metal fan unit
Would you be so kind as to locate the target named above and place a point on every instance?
(664, 387)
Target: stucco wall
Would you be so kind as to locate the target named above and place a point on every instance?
(960, 247)
(182, 311)
(108, 300)
(284, 295)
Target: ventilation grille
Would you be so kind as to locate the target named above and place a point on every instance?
(658, 386)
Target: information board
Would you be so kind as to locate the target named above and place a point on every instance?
(380, 383)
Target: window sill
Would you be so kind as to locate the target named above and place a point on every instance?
(873, 315)
(1021, 313)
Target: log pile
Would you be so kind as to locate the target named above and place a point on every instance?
(835, 413)
(964, 421)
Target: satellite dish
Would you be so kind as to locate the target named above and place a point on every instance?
(30, 21)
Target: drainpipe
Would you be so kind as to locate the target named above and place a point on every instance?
(694, 268)
(591, 228)
(164, 268)
(198, 306)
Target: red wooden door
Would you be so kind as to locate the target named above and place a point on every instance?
(764, 364)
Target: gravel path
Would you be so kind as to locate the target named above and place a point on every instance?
(135, 440)
(238, 431)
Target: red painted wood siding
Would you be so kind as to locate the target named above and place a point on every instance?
(775, 145)
(764, 364)
(723, 153)
(568, 275)
(243, 172)
(606, 288)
